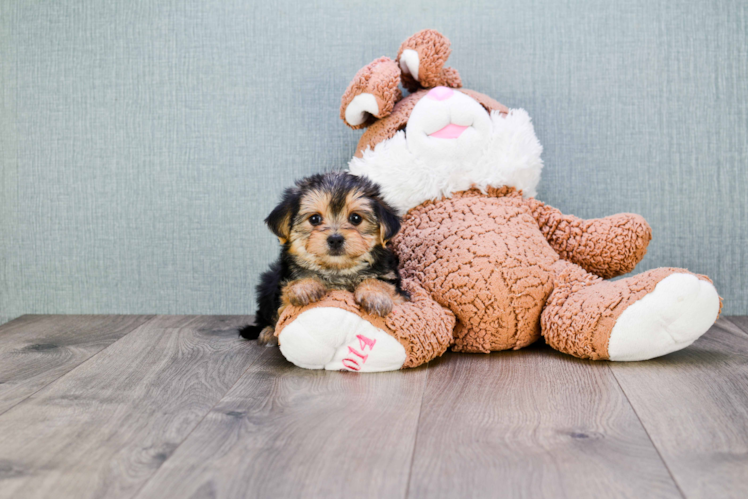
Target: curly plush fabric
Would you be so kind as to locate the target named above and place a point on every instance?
(433, 50)
(423, 327)
(471, 253)
(583, 308)
(607, 247)
(379, 78)
(493, 259)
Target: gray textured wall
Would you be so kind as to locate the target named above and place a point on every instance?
(142, 143)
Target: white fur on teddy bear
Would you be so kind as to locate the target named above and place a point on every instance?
(495, 150)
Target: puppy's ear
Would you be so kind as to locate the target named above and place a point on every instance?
(389, 222)
(279, 220)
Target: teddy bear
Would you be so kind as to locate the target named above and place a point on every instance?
(488, 267)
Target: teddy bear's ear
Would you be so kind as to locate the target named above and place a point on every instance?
(372, 93)
(422, 58)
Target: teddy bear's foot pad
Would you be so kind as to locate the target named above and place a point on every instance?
(334, 339)
(679, 310)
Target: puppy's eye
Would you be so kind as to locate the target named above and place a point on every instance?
(315, 220)
(355, 219)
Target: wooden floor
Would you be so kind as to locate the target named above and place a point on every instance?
(178, 406)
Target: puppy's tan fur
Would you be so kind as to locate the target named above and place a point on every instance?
(303, 292)
(308, 243)
(377, 297)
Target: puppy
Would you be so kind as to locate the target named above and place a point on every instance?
(334, 230)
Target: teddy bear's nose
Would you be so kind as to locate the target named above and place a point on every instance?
(440, 93)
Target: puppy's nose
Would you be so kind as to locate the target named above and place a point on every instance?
(335, 241)
(440, 93)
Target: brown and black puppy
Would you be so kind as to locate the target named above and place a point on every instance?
(334, 230)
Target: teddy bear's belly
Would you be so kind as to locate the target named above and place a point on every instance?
(486, 260)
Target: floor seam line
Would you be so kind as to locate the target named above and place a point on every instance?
(264, 353)
(418, 428)
(84, 361)
(662, 459)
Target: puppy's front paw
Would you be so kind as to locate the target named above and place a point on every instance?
(378, 303)
(375, 297)
(267, 336)
(304, 292)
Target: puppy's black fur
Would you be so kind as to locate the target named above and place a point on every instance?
(381, 263)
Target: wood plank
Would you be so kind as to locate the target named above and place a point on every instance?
(37, 350)
(104, 428)
(739, 321)
(531, 423)
(287, 432)
(694, 404)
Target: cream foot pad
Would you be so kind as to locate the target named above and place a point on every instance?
(679, 310)
(335, 339)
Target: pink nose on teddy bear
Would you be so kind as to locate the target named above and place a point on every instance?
(440, 93)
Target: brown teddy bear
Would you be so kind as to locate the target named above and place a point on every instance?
(488, 267)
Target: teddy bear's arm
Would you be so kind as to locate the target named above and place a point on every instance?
(607, 247)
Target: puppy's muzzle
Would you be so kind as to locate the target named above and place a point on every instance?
(335, 243)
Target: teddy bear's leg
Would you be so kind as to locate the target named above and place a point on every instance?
(642, 317)
(336, 334)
